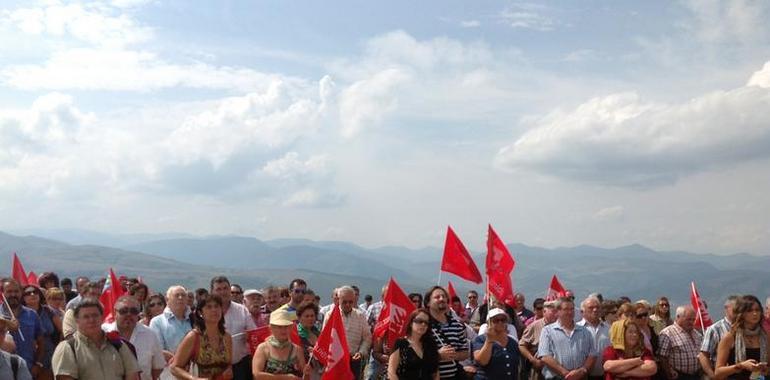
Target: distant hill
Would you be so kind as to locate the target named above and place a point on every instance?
(634, 270)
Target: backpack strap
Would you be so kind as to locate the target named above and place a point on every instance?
(15, 366)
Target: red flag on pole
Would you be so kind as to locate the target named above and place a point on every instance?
(451, 290)
(18, 272)
(112, 291)
(556, 290)
(500, 264)
(331, 349)
(32, 279)
(702, 317)
(396, 309)
(457, 260)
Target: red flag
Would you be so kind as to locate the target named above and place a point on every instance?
(702, 317)
(331, 349)
(32, 279)
(18, 273)
(294, 335)
(555, 290)
(457, 260)
(396, 309)
(257, 336)
(451, 290)
(500, 264)
(112, 291)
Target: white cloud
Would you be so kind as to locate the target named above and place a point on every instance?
(291, 166)
(92, 23)
(727, 22)
(127, 70)
(761, 78)
(613, 213)
(624, 141)
(470, 23)
(528, 16)
(366, 102)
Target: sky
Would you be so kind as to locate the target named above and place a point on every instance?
(380, 123)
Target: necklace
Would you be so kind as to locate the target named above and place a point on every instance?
(277, 343)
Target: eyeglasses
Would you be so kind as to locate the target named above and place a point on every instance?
(642, 315)
(154, 304)
(664, 305)
(472, 297)
(129, 310)
(236, 293)
(30, 292)
(299, 291)
(498, 320)
(420, 321)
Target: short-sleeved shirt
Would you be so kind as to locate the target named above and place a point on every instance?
(6, 368)
(148, 351)
(714, 334)
(31, 328)
(451, 333)
(237, 321)
(569, 350)
(169, 329)
(680, 349)
(611, 353)
(87, 361)
(504, 362)
(601, 334)
(531, 335)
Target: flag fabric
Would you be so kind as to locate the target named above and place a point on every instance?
(294, 335)
(451, 290)
(112, 291)
(331, 349)
(32, 279)
(500, 264)
(256, 336)
(18, 273)
(396, 309)
(556, 290)
(457, 260)
(702, 317)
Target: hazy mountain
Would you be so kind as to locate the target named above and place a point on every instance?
(633, 270)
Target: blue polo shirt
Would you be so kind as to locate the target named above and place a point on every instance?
(31, 328)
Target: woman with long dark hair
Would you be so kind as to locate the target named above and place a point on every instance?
(207, 346)
(34, 299)
(661, 317)
(744, 349)
(154, 307)
(415, 356)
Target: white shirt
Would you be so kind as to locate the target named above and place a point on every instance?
(149, 354)
(237, 321)
(511, 331)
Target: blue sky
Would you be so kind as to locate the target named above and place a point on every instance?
(561, 123)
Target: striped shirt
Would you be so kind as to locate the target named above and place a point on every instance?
(451, 333)
(570, 350)
(714, 334)
(680, 349)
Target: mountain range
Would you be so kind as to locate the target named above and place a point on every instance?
(165, 259)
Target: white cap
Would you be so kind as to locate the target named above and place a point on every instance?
(252, 292)
(495, 312)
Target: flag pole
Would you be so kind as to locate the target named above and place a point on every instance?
(13, 317)
(700, 316)
(439, 278)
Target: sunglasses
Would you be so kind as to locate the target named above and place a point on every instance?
(299, 291)
(154, 304)
(498, 320)
(30, 292)
(472, 297)
(420, 321)
(664, 305)
(643, 315)
(236, 293)
(539, 308)
(129, 310)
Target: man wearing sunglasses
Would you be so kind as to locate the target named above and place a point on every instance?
(297, 289)
(148, 350)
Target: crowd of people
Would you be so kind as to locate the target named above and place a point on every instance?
(54, 331)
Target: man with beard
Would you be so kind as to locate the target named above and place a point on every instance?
(28, 337)
(148, 351)
(448, 332)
